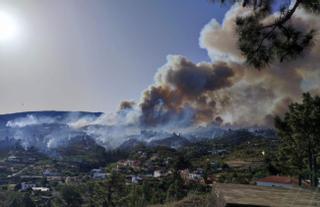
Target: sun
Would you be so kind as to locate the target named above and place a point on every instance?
(8, 27)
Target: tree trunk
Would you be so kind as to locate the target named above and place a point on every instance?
(310, 162)
(300, 180)
(315, 171)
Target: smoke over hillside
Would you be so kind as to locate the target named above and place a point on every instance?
(187, 97)
(225, 91)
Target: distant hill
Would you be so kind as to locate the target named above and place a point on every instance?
(83, 151)
(43, 130)
(130, 144)
(59, 115)
(175, 141)
(49, 131)
(239, 136)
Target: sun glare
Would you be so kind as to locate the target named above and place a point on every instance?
(8, 27)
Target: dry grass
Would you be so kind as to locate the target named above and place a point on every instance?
(192, 201)
(251, 195)
(268, 196)
(243, 164)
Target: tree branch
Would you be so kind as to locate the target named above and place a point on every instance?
(278, 23)
(286, 17)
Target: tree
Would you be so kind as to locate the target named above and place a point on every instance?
(71, 196)
(176, 189)
(136, 197)
(20, 200)
(299, 131)
(180, 163)
(291, 154)
(27, 201)
(261, 43)
(115, 189)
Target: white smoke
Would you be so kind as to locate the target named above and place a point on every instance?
(29, 120)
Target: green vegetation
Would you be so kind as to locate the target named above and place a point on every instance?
(299, 131)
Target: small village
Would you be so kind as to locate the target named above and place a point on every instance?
(210, 171)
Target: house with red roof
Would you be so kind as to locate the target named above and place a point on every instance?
(278, 181)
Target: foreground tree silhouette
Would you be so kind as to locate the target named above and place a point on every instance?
(263, 43)
(21, 201)
(299, 132)
(71, 196)
(115, 189)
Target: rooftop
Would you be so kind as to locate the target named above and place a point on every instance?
(279, 179)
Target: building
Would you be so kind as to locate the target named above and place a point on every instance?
(55, 178)
(40, 189)
(98, 174)
(26, 186)
(184, 174)
(135, 164)
(157, 173)
(49, 172)
(135, 179)
(277, 181)
(71, 180)
(191, 176)
(13, 158)
(195, 176)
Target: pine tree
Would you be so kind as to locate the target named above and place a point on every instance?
(278, 41)
(300, 138)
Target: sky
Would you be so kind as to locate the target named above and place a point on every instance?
(91, 55)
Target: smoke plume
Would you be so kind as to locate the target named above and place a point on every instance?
(181, 93)
(226, 91)
(187, 95)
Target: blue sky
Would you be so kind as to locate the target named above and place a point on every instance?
(90, 55)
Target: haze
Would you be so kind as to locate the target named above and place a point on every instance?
(91, 55)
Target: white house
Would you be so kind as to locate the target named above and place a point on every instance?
(41, 189)
(157, 173)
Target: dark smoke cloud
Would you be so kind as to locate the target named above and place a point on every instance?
(193, 80)
(124, 105)
(180, 94)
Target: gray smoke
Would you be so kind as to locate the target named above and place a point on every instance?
(224, 92)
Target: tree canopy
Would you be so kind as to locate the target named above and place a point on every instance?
(299, 131)
(263, 43)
